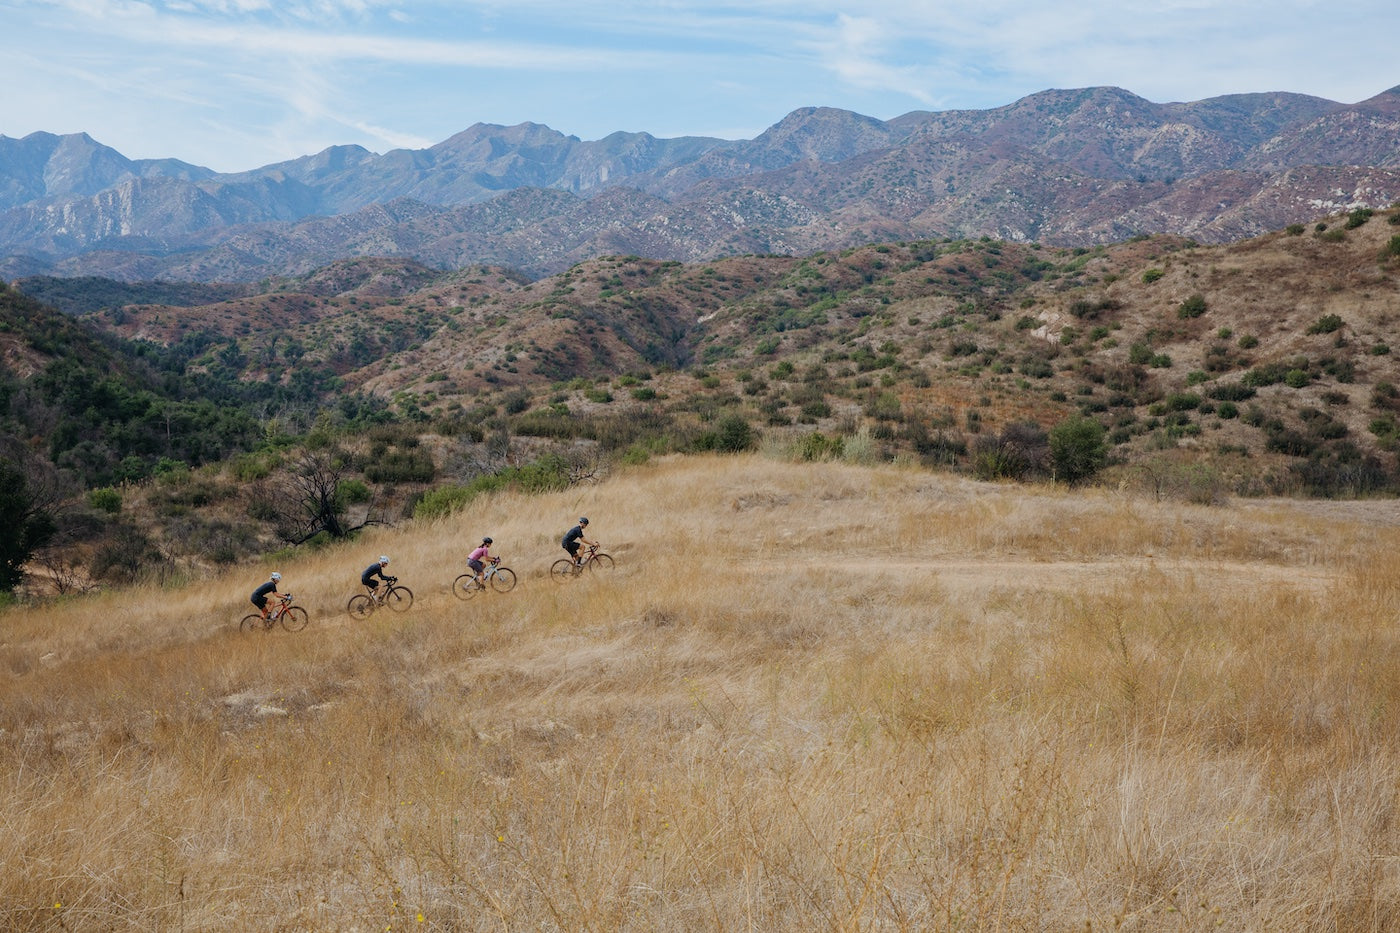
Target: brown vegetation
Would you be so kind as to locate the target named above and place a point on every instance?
(811, 697)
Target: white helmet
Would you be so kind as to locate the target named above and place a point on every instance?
(383, 559)
(276, 576)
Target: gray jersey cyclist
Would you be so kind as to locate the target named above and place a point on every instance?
(377, 569)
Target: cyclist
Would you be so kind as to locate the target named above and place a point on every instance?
(574, 538)
(376, 569)
(477, 559)
(260, 595)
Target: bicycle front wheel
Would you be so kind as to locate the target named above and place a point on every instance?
(294, 618)
(399, 598)
(562, 569)
(360, 606)
(600, 562)
(252, 623)
(503, 580)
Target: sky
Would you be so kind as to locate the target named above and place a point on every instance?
(238, 84)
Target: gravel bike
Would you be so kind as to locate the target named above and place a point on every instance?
(397, 598)
(501, 579)
(293, 618)
(591, 560)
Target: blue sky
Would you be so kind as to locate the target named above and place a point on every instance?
(236, 84)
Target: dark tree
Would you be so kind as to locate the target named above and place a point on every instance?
(27, 513)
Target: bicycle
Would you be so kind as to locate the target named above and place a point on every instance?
(591, 560)
(397, 598)
(502, 580)
(293, 618)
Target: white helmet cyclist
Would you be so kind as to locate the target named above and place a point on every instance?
(383, 559)
(276, 576)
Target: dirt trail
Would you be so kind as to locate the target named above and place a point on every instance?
(972, 575)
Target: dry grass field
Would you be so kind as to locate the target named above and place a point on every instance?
(810, 697)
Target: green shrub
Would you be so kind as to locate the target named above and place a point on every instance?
(817, 446)
(1326, 324)
(402, 466)
(1152, 275)
(443, 501)
(107, 500)
(1358, 217)
(1392, 248)
(548, 474)
(1194, 306)
(352, 490)
(1230, 392)
(1294, 229)
(1183, 401)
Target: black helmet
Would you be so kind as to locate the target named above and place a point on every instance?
(583, 521)
(485, 540)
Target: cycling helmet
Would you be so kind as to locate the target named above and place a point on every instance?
(583, 521)
(485, 540)
(276, 575)
(383, 559)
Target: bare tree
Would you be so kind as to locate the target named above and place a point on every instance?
(312, 494)
(311, 491)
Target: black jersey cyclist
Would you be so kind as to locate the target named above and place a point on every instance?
(377, 569)
(260, 595)
(574, 539)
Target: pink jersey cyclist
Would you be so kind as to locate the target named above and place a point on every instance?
(476, 560)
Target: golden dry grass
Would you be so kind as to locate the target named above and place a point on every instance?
(810, 697)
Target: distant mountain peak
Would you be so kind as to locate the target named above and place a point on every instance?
(1067, 166)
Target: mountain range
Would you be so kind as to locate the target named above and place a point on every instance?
(1064, 167)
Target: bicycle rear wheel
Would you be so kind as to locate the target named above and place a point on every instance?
(503, 580)
(399, 598)
(252, 623)
(294, 618)
(464, 587)
(360, 606)
(562, 569)
(600, 562)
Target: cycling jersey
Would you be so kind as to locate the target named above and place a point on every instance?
(259, 597)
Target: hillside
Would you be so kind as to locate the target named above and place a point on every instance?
(1182, 351)
(810, 697)
(1076, 167)
(318, 404)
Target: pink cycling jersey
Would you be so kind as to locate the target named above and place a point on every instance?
(479, 554)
